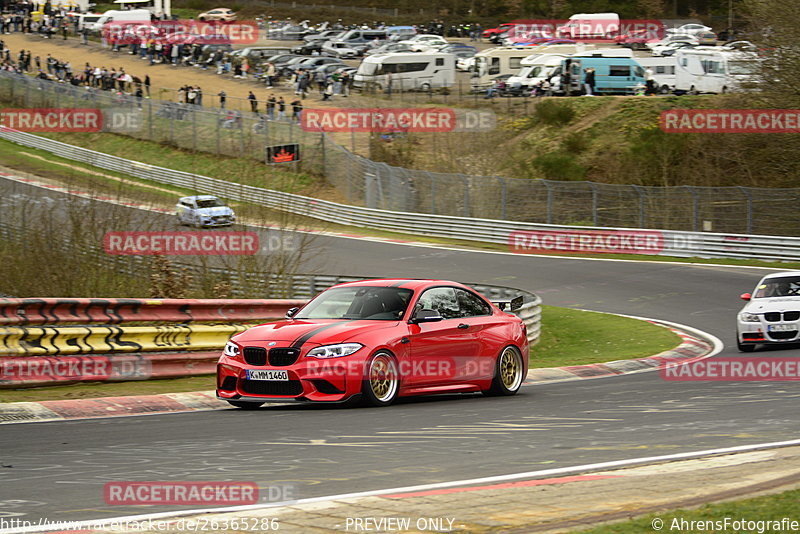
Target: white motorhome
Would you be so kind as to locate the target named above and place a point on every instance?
(661, 70)
(494, 62)
(712, 70)
(536, 68)
(582, 26)
(162, 9)
(407, 71)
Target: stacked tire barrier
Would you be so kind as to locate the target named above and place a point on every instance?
(52, 341)
(58, 341)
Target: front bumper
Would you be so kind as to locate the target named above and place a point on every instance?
(769, 332)
(309, 380)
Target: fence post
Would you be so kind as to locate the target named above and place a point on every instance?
(695, 208)
(642, 214)
(149, 119)
(595, 215)
(549, 211)
(503, 197)
(194, 129)
(466, 195)
(749, 198)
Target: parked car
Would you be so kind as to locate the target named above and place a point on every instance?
(310, 64)
(493, 33)
(259, 53)
(424, 42)
(203, 211)
(326, 35)
(377, 340)
(668, 49)
(308, 48)
(707, 39)
(389, 48)
(340, 49)
(689, 29)
(772, 313)
(222, 14)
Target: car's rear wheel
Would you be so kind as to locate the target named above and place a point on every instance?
(245, 405)
(508, 375)
(381, 384)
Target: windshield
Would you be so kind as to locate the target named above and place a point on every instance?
(779, 287)
(209, 203)
(742, 67)
(368, 69)
(372, 303)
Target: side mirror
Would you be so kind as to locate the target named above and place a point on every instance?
(745, 296)
(426, 316)
(291, 312)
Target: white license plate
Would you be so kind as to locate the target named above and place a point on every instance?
(781, 327)
(267, 374)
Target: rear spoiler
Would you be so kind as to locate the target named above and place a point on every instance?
(512, 304)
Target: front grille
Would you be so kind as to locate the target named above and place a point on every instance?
(255, 355)
(783, 335)
(229, 384)
(774, 317)
(283, 357)
(269, 387)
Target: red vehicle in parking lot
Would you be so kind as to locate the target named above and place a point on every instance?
(378, 340)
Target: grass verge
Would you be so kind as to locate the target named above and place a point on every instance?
(575, 337)
(765, 508)
(570, 337)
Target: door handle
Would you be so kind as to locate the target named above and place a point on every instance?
(463, 326)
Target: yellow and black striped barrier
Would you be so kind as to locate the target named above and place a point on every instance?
(63, 340)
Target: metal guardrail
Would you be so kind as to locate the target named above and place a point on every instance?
(520, 236)
(372, 184)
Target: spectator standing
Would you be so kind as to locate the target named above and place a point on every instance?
(222, 98)
(253, 102)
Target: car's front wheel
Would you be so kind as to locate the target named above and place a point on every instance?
(508, 373)
(245, 405)
(381, 384)
(743, 347)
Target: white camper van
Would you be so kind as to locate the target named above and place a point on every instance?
(408, 71)
(536, 68)
(712, 70)
(494, 62)
(590, 26)
(662, 71)
(113, 15)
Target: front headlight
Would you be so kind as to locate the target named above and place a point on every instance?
(334, 351)
(231, 350)
(747, 317)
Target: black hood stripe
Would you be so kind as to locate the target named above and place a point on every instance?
(298, 343)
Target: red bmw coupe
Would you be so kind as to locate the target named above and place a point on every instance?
(378, 340)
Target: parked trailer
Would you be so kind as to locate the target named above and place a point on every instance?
(407, 71)
(713, 70)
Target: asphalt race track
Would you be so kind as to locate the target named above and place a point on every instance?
(57, 470)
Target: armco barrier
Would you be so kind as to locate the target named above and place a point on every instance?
(66, 340)
(114, 311)
(62, 354)
(502, 232)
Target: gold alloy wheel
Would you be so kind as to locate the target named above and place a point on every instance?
(510, 369)
(383, 377)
